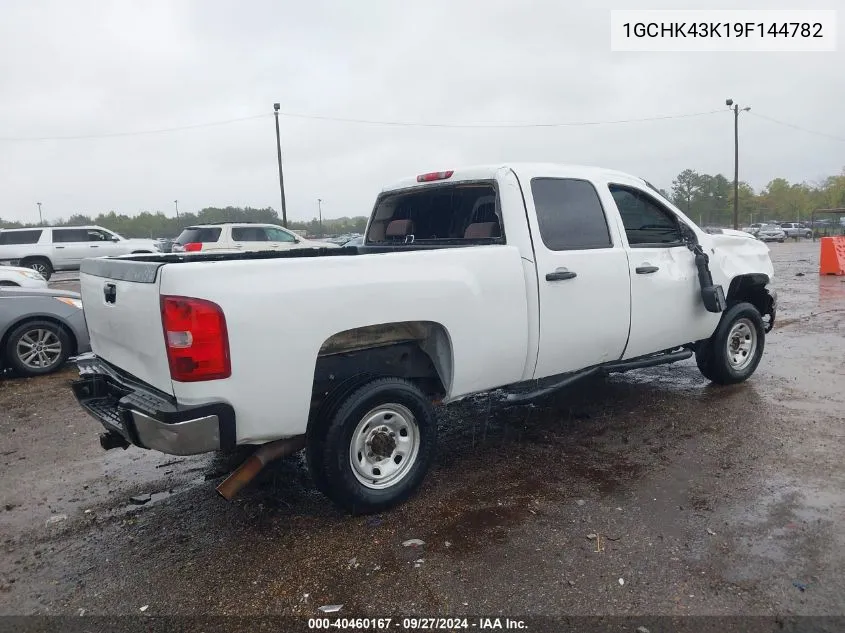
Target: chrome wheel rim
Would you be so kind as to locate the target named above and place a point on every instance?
(742, 344)
(384, 446)
(38, 267)
(39, 349)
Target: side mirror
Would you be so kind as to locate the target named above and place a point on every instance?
(115, 238)
(687, 234)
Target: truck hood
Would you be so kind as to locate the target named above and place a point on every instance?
(739, 253)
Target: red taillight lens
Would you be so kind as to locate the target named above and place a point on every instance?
(435, 175)
(193, 246)
(196, 339)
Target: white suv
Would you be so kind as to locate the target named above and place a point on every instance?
(241, 236)
(47, 249)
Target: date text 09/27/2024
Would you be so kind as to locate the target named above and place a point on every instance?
(417, 624)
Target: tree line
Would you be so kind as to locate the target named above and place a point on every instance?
(157, 224)
(706, 199)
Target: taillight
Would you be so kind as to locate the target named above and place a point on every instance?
(435, 175)
(196, 339)
(193, 246)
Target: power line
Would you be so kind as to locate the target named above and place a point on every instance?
(492, 124)
(797, 127)
(136, 133)
(316, 117)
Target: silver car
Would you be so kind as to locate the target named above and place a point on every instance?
(771, 233)
(40, 329)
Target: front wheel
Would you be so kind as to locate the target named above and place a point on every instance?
(37, 347)
(732, 354)
(376, 446)
(40, 265)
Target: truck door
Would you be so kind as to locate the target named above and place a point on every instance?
(582, 271)
(666, 305)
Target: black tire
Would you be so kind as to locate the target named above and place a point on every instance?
(39, 264)
(712, 356)
(318, 427)
(335, 474)
(14, 343)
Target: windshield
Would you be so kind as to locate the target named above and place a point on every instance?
(194, 234)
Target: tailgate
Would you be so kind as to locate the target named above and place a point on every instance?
(120, 298)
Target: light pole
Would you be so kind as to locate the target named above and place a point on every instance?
(40, 220)
(737, 110)
(276, 107)
(176, 202)
(320, 214)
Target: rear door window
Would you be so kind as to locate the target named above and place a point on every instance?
(569, 214)
(196, 234)
(8, 238)
(249, 234)
(63, 236)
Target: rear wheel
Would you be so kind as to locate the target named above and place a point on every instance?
(732, 354)
(35, 348)
(378, 445)
(41, 265)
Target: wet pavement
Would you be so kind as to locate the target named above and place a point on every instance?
(651, 492)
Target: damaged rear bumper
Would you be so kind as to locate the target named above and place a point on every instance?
(148, 418)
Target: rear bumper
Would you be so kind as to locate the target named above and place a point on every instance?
(149, 418)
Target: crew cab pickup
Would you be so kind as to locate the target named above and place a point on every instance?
(521, 277)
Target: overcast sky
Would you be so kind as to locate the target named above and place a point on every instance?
(95, 67)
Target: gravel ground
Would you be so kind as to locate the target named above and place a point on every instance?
(647, 493)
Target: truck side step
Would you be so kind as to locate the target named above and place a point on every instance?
(608, 368)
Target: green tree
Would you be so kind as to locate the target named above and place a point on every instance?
(685, 188)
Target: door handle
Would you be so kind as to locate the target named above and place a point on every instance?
(93, 246)
(58, 247)
(560, 274)
(647, 269)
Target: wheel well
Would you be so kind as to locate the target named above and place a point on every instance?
(419, 351)
(32, 258)
(139, 252)
(26, 319)
(751, 288)
(6, 282)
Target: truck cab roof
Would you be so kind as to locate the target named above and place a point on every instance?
(488, 172)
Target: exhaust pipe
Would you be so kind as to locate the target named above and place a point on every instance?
(265, 454)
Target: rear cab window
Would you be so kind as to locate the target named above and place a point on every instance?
(198, 234)
(14, 238)
(450, 214)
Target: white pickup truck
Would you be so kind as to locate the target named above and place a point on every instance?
(520, 277)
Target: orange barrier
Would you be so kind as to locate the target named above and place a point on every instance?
(832, 257)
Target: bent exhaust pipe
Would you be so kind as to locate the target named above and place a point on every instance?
(255, 463)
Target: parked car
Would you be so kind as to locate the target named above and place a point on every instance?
(355, 241)
(165, 245)
(523, 278)
(771, 233)
(752, 228)
(795, 229)
(40, 329)
(245, 236)
(47, 249)
(12, 276)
